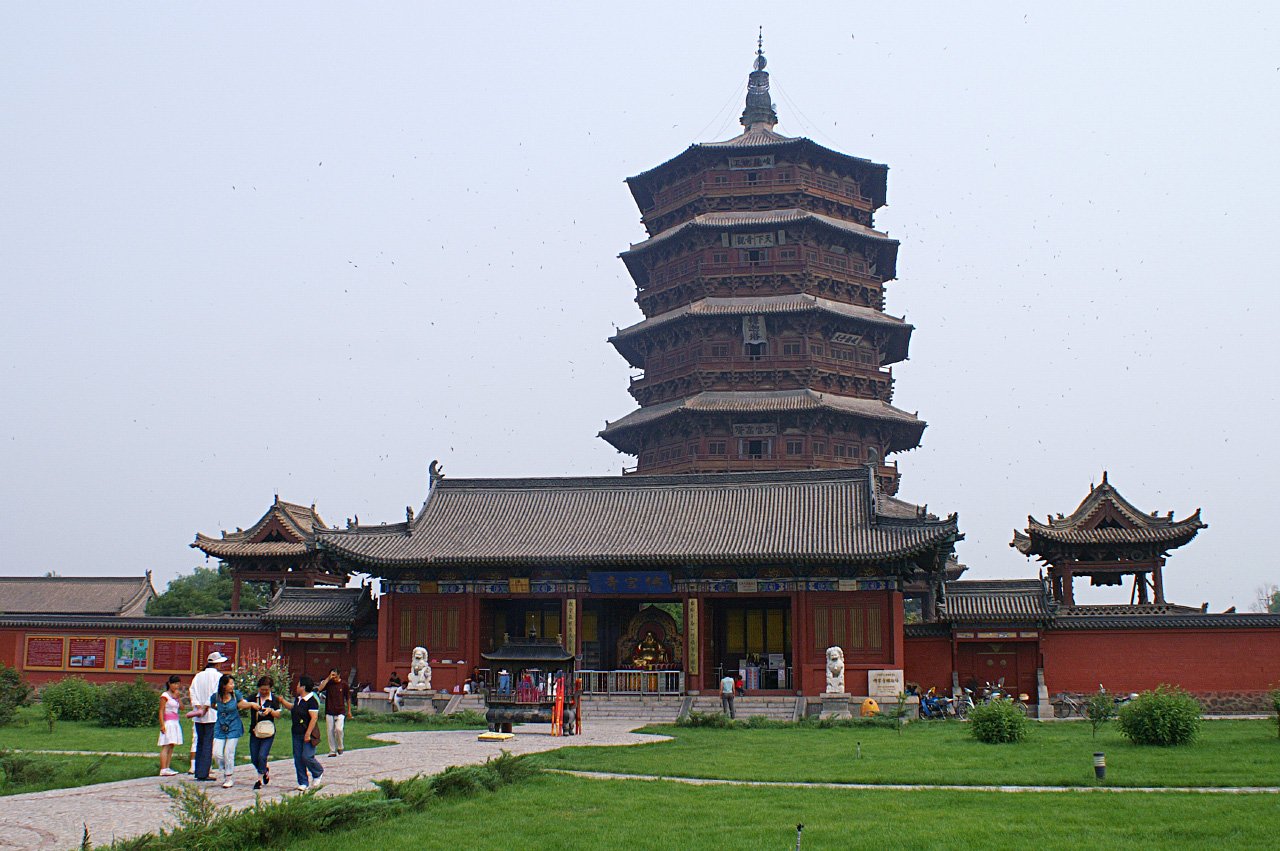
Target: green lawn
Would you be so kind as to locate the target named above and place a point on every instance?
(30, 732)
(21, 773)
(1229, 753)
(575, 813)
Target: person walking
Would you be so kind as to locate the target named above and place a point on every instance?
(337, 709)
(229, 727)
(262, 729)
(170, 727)
(726, 696)
(305, 712)
(203, 688)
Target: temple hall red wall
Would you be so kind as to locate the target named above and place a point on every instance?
(927, 662)
(1198, 660)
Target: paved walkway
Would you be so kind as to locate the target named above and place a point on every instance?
(55, 820)
(913, 787)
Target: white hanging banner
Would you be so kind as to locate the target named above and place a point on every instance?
(753, 330)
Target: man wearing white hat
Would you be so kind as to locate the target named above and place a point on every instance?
(203, 687)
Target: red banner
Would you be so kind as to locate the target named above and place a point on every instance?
(172, 655)
(44, 652)
(87, 653)
(226, 648)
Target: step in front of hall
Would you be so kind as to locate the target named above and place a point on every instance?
(665, 710)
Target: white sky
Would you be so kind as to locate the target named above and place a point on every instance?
(309, 248)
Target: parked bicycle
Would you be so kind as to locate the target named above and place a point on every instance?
(1067, 706)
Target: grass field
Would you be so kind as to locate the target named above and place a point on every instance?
(29, 732)
(1229, 753)
(575, 813)
(21, 773)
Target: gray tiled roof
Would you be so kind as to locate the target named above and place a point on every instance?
(1202, 620)
(821, 516)
(122, 596)
(768, 401)
(996, 600)
(319, 605)
(298, 522)
(757, 218)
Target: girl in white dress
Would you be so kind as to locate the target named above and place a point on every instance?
(170, 729)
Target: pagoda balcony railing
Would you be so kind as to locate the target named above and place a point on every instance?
(764, 364)
(714, 271)
(631, 682)
(730, 464)
(823, 187)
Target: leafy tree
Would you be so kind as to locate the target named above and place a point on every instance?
(1267, 599)
(205, 592)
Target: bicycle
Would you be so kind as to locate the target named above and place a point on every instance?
(1067, 706)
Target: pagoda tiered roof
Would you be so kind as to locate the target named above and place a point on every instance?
(760, 138)
(1105, 518)
(768, 305)
(290, 527)
(819, 516)
(766, 218)
(771, 401)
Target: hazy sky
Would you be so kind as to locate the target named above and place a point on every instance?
(308, 248)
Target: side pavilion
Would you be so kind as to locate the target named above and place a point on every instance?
(658, 584)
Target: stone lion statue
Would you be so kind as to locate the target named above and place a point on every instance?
(419, 671)
(835, 670)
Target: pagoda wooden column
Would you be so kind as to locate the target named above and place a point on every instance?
(1157, 583)
(1068, 592)
(1140, 579)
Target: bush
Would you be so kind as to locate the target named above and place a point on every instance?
(73, 699)
(13, 692)
(1100, 709)
(133, 704)
(1166, 716)
(998, 722)
(255, 666)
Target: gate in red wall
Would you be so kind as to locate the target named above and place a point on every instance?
(980, 662)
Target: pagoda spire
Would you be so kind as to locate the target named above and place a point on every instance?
(759, 110)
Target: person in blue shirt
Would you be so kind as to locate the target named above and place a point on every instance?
(228, 729)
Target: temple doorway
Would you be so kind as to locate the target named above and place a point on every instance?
(632, 635)
(752, 640)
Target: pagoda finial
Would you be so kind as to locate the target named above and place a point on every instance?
(759, 110)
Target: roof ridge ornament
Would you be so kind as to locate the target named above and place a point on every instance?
(759, 111)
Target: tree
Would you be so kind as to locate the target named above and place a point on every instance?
(1266, 599)
(204, 592)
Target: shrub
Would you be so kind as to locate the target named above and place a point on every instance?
(255, 665)
(1166, 716)
(998, 722)
(13, 692)
(717, 720)
(73, 699)
(1100, 709)
(133, 704)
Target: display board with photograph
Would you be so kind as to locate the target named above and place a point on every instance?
(87, 653)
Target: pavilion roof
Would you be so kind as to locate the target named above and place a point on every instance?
(996, 600)
(295, 524)
(770, 401)
(767, 305)
(344, 606)
(1105, 517)
(825, 516)
(115, 596)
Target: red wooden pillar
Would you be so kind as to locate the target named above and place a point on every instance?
(385, 605)
(800, 643)
(897, 618)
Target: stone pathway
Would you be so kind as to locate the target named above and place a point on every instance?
(913, 787)
(55, 820)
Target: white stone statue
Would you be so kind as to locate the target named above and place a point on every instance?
(835, 670)
(419, 671)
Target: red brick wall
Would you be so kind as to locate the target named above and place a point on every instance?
(13, 644)
(1198, 660)
(928, 663)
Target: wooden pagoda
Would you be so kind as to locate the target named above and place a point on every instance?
(1107, 539)
(765, 345)
(279, 550)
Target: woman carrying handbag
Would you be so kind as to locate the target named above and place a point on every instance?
(262, 729)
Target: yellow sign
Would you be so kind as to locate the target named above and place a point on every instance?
(571, 625)
(518, 585)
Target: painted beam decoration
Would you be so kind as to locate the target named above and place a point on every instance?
(630, 582)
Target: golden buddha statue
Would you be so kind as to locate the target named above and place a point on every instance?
(649, 653)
